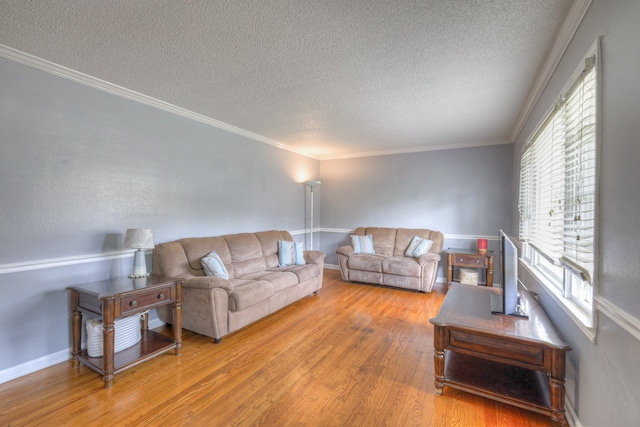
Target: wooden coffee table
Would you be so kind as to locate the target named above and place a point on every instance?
(514, 360)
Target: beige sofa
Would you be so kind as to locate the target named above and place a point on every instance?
(388, 265)
(256, 286)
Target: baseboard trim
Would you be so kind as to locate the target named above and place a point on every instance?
(49, 360)
(34, 365)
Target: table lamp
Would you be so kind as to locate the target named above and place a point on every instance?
(140, 239)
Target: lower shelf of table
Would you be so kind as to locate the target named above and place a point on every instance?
(509, 384)
(152, 344)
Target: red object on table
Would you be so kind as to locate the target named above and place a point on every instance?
(482, 245)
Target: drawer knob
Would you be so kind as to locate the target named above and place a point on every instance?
(133, 303)
(461, 259)
(161, 296)
(477, 261)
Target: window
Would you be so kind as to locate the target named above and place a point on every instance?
(558, 194)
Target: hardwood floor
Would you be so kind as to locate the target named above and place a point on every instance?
(354, 355)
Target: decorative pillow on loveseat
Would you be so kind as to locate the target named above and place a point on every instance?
(418, 246)
(290, 253)
(213, 266)
(362, 244)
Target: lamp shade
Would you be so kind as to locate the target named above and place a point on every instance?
(139, 238)
(312, 184)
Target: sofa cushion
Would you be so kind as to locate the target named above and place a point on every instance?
(279, 279)
(367, 262)
(243, 247)
(401, 266)
(213, 266)
(384, 239)
(249, 292)
(405, 235)
(418, 246)
(290, 253)
(198, 247)
(305, 272)
(362, 244)
(250, 266)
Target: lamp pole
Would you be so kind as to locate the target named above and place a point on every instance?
(312, 185)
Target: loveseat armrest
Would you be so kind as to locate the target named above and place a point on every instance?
(314, 257)
(345, 250)
(428, 257)
(207, 282)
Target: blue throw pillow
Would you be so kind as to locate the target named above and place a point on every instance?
(213, 266)
(290, 253)
(418, 246)
(362, 244)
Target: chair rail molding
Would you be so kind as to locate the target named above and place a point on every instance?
(41, 264)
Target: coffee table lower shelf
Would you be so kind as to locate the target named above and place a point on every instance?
(516, 386)
(151, 345)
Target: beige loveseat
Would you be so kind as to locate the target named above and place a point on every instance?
(257, 285)
(388, 265)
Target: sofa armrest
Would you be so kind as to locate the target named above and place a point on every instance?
(428, 257)
(345, 250)
(314, 257)
(207, 282)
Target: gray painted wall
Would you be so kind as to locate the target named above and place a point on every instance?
(604, 389)
(463, 192)
(79, 166)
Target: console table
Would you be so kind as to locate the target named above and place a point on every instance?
(510, 359)
(469, 258)
(121, 297)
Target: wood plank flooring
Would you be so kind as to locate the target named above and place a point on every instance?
(354, 355)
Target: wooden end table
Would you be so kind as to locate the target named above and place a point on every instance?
(472, 259)
(122, 297)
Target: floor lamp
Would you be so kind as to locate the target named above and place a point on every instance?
(312, 185)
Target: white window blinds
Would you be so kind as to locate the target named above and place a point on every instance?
(557, 180)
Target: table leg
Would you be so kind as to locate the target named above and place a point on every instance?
(438, 358)
(177, 319)
(449, 268)
(108, 346)
(556, 388)
(76, 329)
(490, 272)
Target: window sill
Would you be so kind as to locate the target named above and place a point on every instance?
(579, 317)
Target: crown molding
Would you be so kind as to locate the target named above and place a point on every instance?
(96, 83)
(85, 79)
(569, 27)
(440, 147)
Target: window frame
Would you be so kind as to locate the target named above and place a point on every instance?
(559, 279)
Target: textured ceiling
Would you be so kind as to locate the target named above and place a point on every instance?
(330, 78)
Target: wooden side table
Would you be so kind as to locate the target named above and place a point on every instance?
(121, 297)
(469, 258)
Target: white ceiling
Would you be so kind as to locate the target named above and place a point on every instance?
(328, 78)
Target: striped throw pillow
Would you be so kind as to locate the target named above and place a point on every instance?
(290, 253)
(362, 244)
(418, 246)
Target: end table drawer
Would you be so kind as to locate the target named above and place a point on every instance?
(470, 261)
(145, 300)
